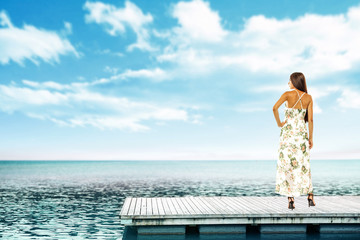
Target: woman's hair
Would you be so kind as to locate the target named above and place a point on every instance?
(299, 82)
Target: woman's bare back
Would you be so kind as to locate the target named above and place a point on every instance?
(293, 97)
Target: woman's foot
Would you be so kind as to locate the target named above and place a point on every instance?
(311, 199)
(291, 203)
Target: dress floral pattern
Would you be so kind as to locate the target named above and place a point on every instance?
(293, 174)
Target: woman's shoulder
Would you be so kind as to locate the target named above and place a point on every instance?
(307, 95)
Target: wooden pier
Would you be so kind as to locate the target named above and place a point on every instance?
(171, 215)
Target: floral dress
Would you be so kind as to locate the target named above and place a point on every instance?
(293, 175)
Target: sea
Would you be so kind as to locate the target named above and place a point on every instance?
(83, 199)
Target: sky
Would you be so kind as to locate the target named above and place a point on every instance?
(174, 80)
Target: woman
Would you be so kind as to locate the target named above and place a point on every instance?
(293, 175)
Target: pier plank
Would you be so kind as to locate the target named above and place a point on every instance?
(230, 205)
(137, 210)
(148, 207)
(236, 205)
(218, 206)
(160, 206)
(208, 205)
(143, 206)
(166, 206)
(126, 206)
(202, 207)
(247, 201)
(155, 209)
(193, 205)
(182, 206)
(176, 206)
(132, 206)
(171, 206)
(192, 210)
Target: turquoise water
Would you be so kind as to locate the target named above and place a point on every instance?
(82, 199)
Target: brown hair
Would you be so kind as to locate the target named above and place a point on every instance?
(298, 80)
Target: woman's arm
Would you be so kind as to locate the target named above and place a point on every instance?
(310, 122)
(281, 100)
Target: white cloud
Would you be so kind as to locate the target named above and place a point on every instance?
(319, 92)
(112, 70)
(251, 109)
(68, 28)
(315, 44)
(116, 20)
(107, 51)
(5, 20)
(349, 99)
(190, 60)
(47, 85)
(14, 97)
(156, 75)
(29, 42)
(271, 88)
(71, 106)
(198, 22)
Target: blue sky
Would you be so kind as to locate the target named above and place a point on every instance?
(171, 80)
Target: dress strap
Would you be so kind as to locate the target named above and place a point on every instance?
(298, 100)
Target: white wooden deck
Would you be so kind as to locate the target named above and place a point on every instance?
(137, 211)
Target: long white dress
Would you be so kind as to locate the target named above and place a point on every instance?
(293, 174)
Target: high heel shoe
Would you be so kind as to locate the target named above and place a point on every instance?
(310, 201)
(291, 204)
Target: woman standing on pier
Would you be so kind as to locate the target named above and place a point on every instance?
(293, 175)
